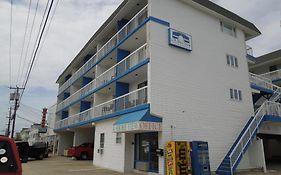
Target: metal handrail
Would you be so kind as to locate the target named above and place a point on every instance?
(101, 51)
(139, 94)
(273, 75)
(139, 54)
(263, 110)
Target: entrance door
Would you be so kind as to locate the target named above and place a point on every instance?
(146, 158)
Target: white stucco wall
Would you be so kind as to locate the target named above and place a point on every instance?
(113, 153)
(190, 90)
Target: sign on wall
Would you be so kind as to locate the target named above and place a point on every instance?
(180, 39)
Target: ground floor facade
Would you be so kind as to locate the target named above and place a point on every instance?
(125, 145)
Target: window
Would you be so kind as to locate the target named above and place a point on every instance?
(102, 140)
(143, 84)
(235, 94)
(118, 137)
(228, 29)
(232, 61)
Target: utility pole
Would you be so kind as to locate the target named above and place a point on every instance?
(9, 123)
(15, 96)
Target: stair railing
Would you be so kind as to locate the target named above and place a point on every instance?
(247, 135)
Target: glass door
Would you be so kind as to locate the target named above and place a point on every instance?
(145, 150)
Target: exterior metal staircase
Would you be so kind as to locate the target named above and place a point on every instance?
(249, 132)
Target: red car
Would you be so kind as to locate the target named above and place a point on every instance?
(83, 151)
(9, 157)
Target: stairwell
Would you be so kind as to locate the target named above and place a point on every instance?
(249, 132)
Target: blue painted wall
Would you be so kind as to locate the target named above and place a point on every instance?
(66, 95)
(121, 89)
(121, 54)
(64, 114)
(86, 81)
(122, 23)
(85, 105)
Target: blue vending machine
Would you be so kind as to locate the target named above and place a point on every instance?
(200, 158)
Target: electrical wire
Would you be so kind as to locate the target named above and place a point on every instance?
(24, 37)
(36, 49)
(48, 28)
(36, 40)
(10, 46)
(29, 39)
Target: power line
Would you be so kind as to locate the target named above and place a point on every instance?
(10, 47)
(48, 28)
(24, 37)
(36, 40)
(29, 39)
(37, 47)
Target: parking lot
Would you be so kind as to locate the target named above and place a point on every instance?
(63, 166)
(66, 166)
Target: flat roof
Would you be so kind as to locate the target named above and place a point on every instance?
(268, 57)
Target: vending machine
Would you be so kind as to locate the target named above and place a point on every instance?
(178, 160)
(200, 158)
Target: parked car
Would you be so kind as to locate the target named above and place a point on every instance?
(83, 151)
(38, 151)
(9, 157)
(23, 149)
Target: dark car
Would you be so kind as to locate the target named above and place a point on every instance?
(38, 151)
(9, 157)
(23, 148)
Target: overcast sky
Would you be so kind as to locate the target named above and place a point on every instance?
(72, 26)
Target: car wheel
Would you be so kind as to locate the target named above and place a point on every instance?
(40, 157)
(84, 156)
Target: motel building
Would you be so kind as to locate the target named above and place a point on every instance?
(162, 70)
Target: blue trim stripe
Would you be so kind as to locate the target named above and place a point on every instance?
(259, 88)
(132, 69)
(271, 118)
(159, 21)
(105, 117)
(150, 18)
(276, 80)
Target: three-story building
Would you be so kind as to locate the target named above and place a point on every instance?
(160, 70)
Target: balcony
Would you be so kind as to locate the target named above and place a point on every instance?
(262, 82)
(113, 73)
(273, 76)
(127, 101)
(117, 39)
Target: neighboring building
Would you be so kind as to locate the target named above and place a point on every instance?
(34, 135)
(268, 66)
(161, 70)
(50, 137)
(24, 134)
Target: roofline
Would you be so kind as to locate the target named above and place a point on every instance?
(94, 36)
(228, 14)
(272, 56)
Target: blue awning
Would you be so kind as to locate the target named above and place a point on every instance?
(138, 121)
